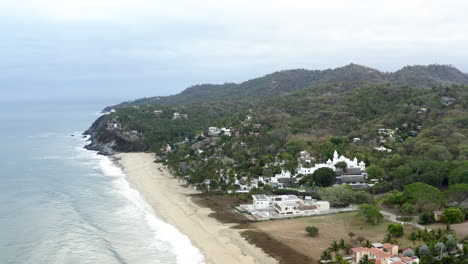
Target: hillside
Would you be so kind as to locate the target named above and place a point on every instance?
(339, 79)
(424, 138)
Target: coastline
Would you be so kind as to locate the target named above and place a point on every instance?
(171, 202)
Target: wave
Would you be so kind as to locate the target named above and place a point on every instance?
(182, 247)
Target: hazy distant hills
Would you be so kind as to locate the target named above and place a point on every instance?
(286, 81)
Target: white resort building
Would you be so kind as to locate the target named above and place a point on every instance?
(279, 206)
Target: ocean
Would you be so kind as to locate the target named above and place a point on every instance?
(63, 204)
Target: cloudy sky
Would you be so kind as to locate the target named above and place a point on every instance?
(125, 49)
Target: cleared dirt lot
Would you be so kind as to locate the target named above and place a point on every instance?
(291, 232)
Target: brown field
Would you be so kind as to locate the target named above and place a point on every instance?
(291, 232)
(461, 229)
(287, 241)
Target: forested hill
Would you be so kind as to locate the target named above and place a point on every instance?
(338, 80)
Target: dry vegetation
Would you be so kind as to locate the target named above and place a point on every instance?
(287, 241)
(331, 227)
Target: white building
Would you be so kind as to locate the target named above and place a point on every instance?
(214, 131)
(382, 148)
(226, 131)
(331, 164)
(289, 205)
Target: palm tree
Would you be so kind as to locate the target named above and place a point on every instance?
(326, 256)
(365, 260)
(334, 247)
(340, 260)
(368, 244)
(342, 244)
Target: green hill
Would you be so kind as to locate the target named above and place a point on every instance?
(424, 107)
(339, 79)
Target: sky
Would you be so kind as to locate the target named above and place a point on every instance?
(127, 49)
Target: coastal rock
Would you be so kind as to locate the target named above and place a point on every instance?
(108, 142)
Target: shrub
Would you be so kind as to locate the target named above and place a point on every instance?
(426, 218)
(396, 230)
(370, 213)
(405, 218)
(453, 216)
(312, 231)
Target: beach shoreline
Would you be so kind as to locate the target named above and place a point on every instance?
(171, 202)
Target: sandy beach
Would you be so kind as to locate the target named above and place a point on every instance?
(218, 242)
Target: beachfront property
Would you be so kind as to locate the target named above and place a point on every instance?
(382, 254)
(266, 207)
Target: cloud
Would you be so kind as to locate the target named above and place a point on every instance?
(144, 42)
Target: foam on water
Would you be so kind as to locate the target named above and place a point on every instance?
(182, 247)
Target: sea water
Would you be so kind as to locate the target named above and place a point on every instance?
(60, 203)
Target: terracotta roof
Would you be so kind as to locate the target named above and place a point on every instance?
(380, 253)
(359, 249)
(387, 245)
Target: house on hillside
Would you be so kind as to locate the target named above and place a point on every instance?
(158, 112)
(422, 110)
(226, 131)
(113, 125)
(383, 149)
(177, 115)
(214, 131)
(305, 156)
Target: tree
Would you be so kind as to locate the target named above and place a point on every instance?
(402, 173)
(360, 239)
(409, 253)
(459, 174)
(365, 260)
(324, 177)
(370, 213)
(326, 256)
(424, 250)
(342, 165)
(422, 194)
(426, 218)
(413, 237)
(407, 209)
(337, 195)
(312, 231)
(451, 243)
(334, 247)
(375, 172)
(439, 248)
(438, 152)
(457, 192)
(453, 216)
(396, 230)
(393, 197)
